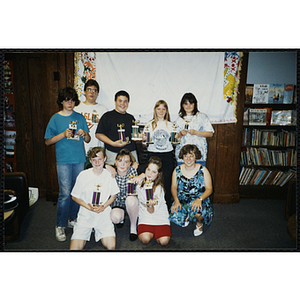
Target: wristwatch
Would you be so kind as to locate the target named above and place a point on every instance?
(200, 199)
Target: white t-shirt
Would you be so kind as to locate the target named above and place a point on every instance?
(90, 112)
(86, 183)
(160, 216)
(160, 136)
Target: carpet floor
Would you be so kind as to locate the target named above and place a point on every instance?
(250, 225)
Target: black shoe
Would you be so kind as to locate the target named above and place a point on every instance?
(133, 236)
(120, 225)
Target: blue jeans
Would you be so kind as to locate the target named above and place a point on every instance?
(66, 207)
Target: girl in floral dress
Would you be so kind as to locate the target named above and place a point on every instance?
(191, 188)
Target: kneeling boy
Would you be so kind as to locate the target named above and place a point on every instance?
(94, 190)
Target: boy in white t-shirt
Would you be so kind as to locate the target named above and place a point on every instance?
(92, 111)
(94, 190)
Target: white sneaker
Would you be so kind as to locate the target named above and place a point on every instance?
(60, 234)
(71, 223)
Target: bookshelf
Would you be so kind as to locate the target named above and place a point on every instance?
(268, 153)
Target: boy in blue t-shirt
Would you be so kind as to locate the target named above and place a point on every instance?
(68, 130)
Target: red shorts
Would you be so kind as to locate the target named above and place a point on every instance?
(157, 230)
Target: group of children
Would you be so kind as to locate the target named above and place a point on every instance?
(96, 198)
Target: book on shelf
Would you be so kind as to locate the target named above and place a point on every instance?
(269, 114)
(277, 177)
(281, 117)
(266, 178)
(246, 116)
(260, 93)
(249, 94)
(276, 93)
(288, 95)
(274, 174)
(257, 116)
(290, 175)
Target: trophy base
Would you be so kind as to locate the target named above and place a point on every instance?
(136, 139)
(175, 143)
(134, 194)
(75, 138)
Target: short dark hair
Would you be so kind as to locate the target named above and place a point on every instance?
(67, 93)
(192, 99)
(122, 93)
(92, 152)
(190, 148)
(92, 82)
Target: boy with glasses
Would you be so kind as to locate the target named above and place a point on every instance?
(92, 111)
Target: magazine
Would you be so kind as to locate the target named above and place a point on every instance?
(249, 94)
(288, 95)
(276, 91)
(260, 93)
(258, 116)
(281, 117)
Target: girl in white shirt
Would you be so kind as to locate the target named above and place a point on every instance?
(153, 214)
(160, 128)
(193, 127)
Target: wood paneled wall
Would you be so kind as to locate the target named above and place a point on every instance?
(36, 92)
(35, 95)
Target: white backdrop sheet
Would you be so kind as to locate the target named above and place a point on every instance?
(152, 76)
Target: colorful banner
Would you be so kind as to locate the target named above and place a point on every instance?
(85, 69)
(232, 68)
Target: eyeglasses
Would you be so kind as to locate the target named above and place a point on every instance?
(91, 90)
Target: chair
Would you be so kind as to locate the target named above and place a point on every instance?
(16, 203)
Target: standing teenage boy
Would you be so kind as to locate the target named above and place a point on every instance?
(70, 155)
(92, 111)
(107, 130)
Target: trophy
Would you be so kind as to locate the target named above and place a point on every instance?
(135, 131)
(147, 135)
(149, 190)
(94, 116)
(121, 132)
(186, 126)
(131, 187)
(73, 128)
(173, 139)
(96, 196)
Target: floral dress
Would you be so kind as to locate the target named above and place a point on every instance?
(189, 189)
